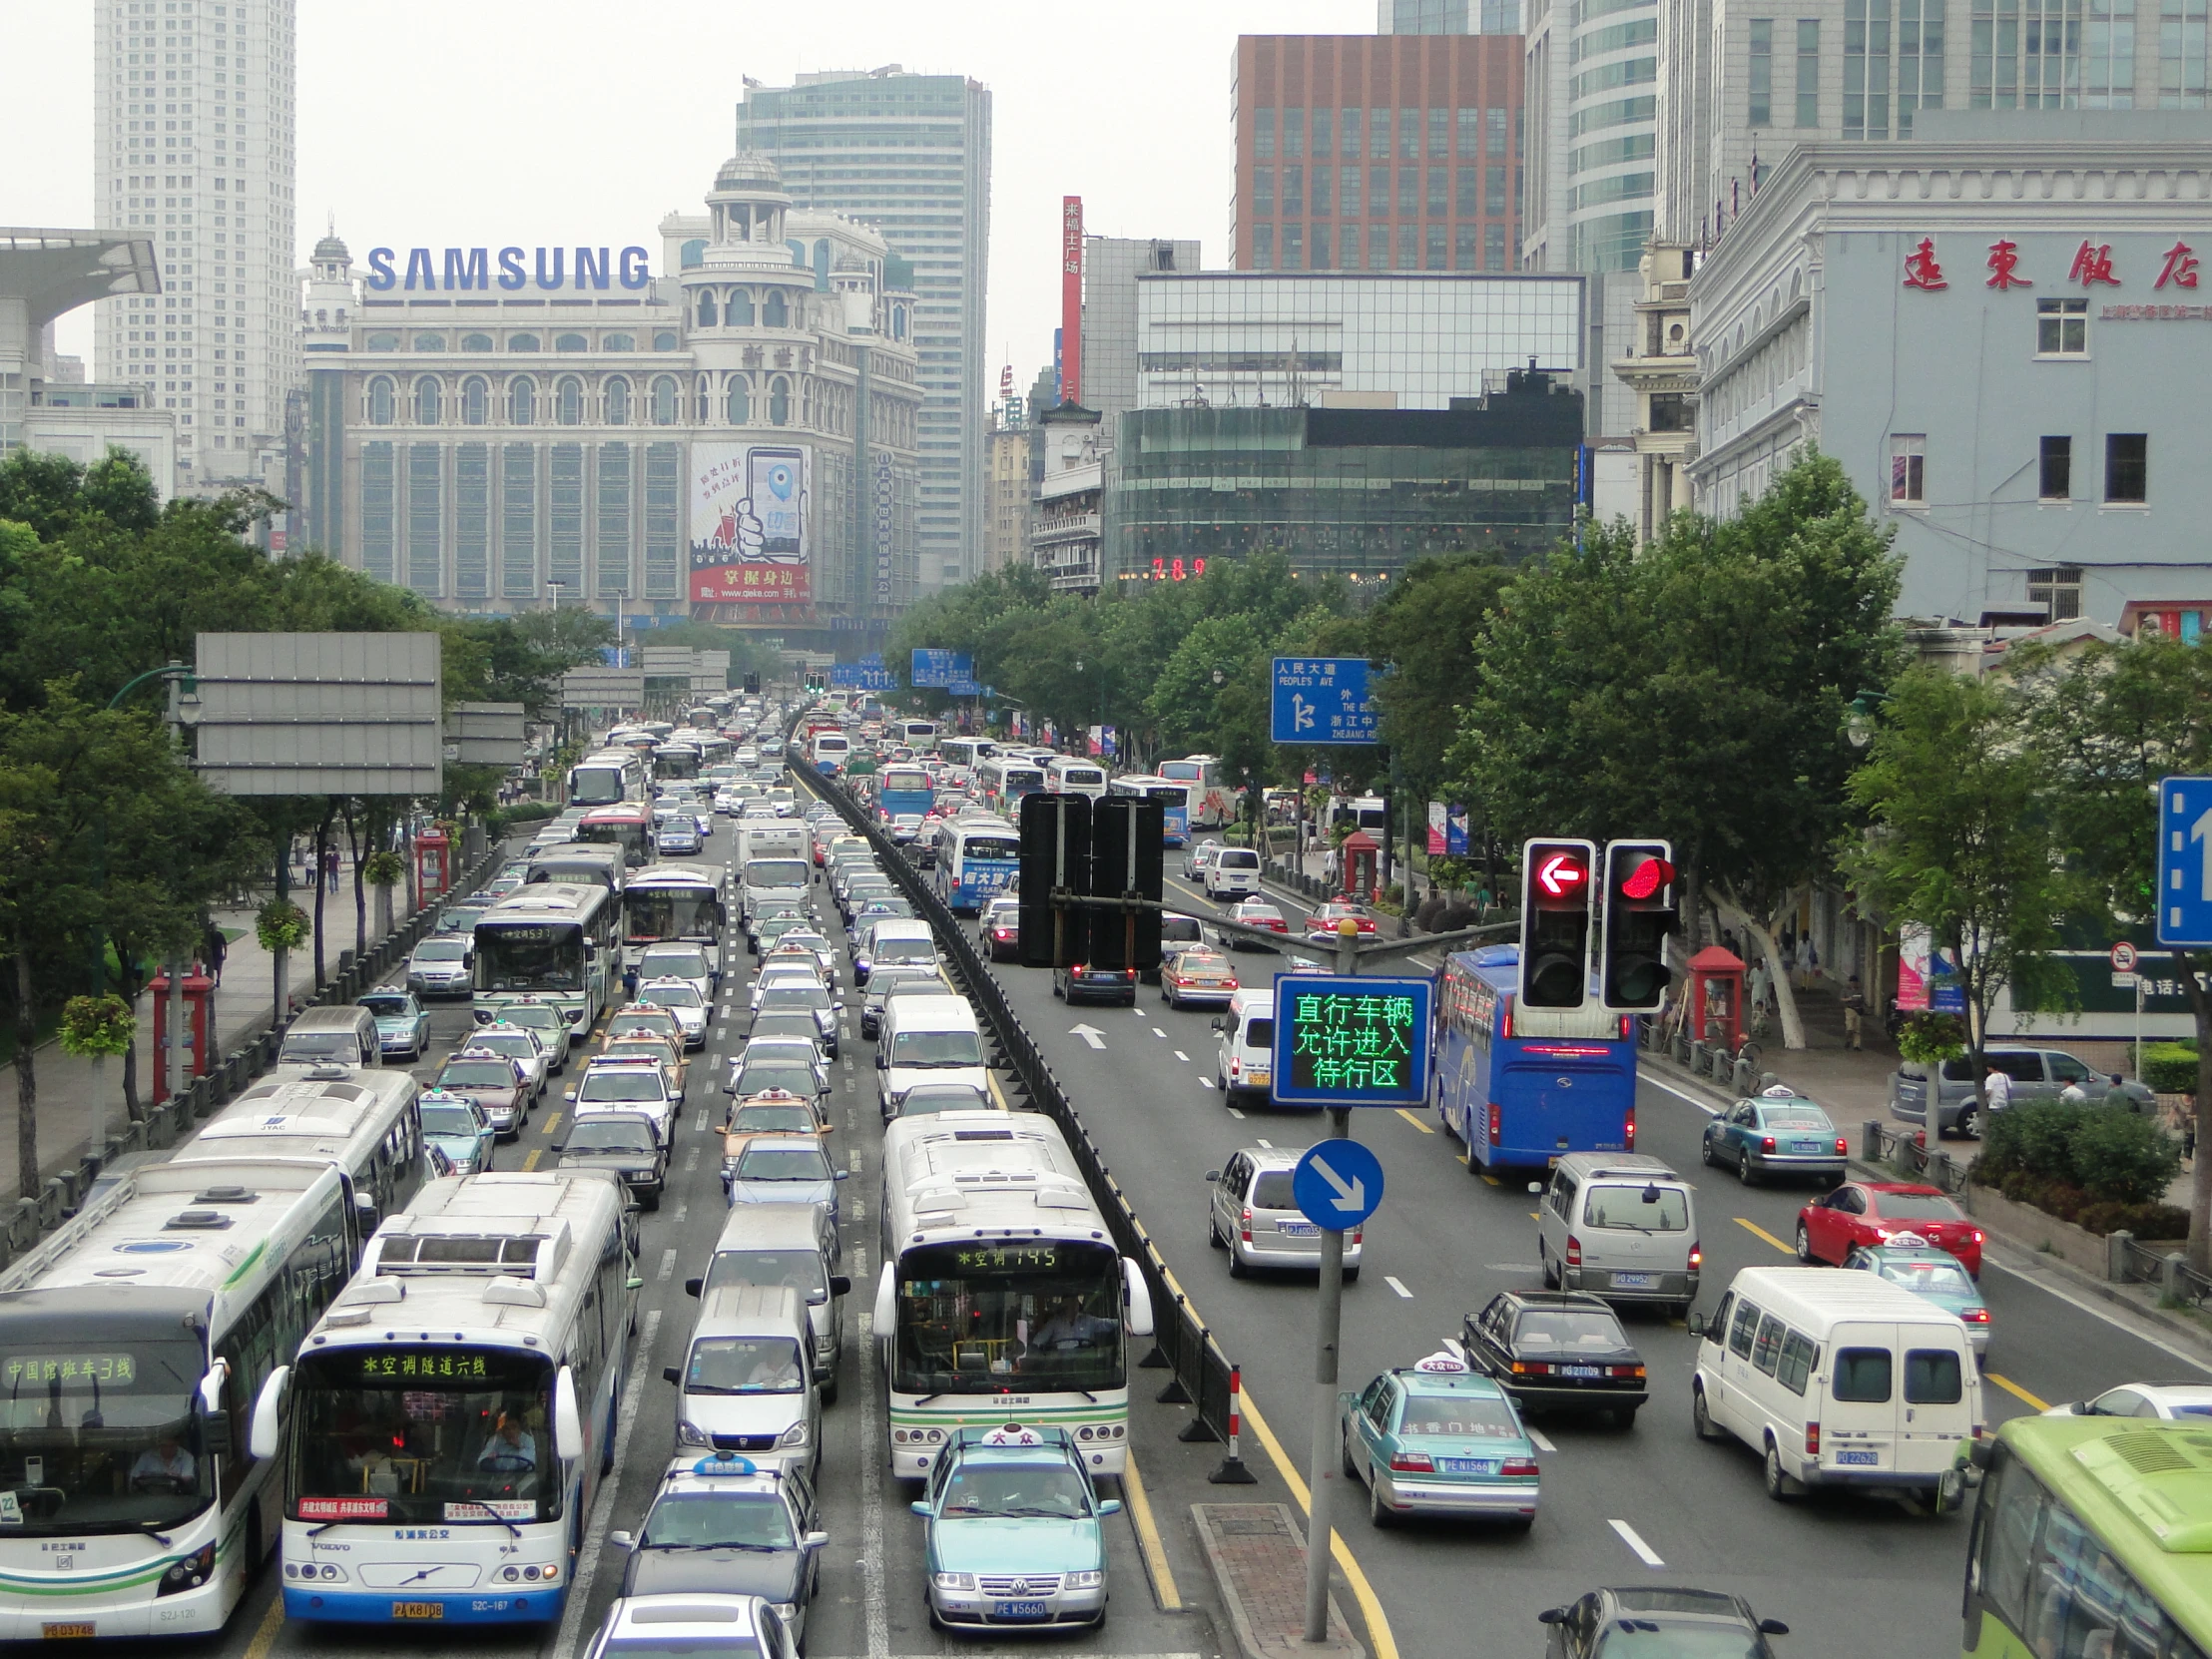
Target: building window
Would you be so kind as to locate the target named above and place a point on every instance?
(1294, 192)
(2061, 328)
(1468, 196)
(1262, 133)
(476, 342)
(775, 312)
(1921, 59)
(1319, 259)
(1908, 458)
(665, 341)
(618, 403)
(1809, 72)
(1349, 126)
(1379, 135)
(522, 343)
(1263, 190)
(1434, 260)
(1493, 248)
(1865, 68)
(738, 309)
(2181, 77)
(2108, 42)
(1470, 134)
(569, 401)
(1263, 248)
(1466, 248)
(476, 401)
(703, 402)
(1762, 72)
(1408, 193)
(1324, 191)
(382, 342)
(664, 401)
(619, 343)
(1494, 192)
(1439, 134)
(522, 402)
(1347, 193)
(780, 402)
(571, 342)
(1294, 131)
(429, 342)
(2127, 467)
(2057, 590)
(709, 314)
(1409, 134)
(1324, 138)
(692, 252)
(1439, 193)
(380, 401)
(1378, 248)
(739, 400)
(2054, 470)
(427, 403)
(1294, 248)
(1408, 248)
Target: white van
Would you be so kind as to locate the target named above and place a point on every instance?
(1244, 1069)
(1235, 869)
(772, 838)
(927, 1039)
(1621, 1226)
(1839, 1379)
(337, 1034)
(789, 1245)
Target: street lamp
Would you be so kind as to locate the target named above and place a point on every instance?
(1858, 718)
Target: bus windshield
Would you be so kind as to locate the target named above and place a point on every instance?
(595, 786)
(623, 833)
(405, 1431)
(671, 914)
(1043, 1314)
(100, 1429)
(538, 956)
(776, 873)
(990, 847)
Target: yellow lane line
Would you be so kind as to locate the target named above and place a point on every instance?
(1491, 1179)
(1148, 1537)
(997, 1094)
(2016, 1390)
(1414, 1121)
(1371, 1605)
(531, 1161)
(272, 1623)
(1754, 1228)
(552, 1123)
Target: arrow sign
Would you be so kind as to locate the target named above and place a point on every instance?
(1337, 1184)
(2185, 861)
(1089, 1033)
(1560, 874)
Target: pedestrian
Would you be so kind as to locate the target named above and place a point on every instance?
(1328, 867)
(213, 949)
(1996, 1090)
(1854, 1013)
(330, 868)
(2181, 1120)
(2073, 1094)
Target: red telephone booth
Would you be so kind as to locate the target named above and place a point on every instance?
(1359, 854)
(1716, 996)
(196, 985)
(433, 864)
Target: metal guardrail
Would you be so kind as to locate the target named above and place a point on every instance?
(2160, 1263)
(1199, 1369)
(1907, 1152)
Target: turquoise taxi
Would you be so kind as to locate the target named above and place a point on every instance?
(1437, 1437)
(1014, 1531)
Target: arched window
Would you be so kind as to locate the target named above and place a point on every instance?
(739, 400)
(476, 401)
(618, 403)
(429, 342)
(427, 403)
(774, 313)
(707, 311)
(382, 342)
(741, 307)
(664, 401)
(568, 399)
(898, 322)
(571, 342)
(380, 401)
(780, 402)
(619, 343)
(522, 343)
(692, 252)
(522, 402)
(322, 318)
(476, 342)
(665, 341)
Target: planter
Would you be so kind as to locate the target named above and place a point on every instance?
(2030, 1229)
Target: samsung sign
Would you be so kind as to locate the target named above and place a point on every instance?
(472, 268)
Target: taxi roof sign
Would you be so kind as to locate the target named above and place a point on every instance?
(1442, 1364)
(725, 1462)
(1907, 1240)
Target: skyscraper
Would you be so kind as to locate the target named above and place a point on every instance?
(1593, 73)
(912, 154)
(1447, 17)
(193, 148)
(1111, 267)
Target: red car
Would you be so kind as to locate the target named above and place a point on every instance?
(1868, 1212)
(1321, 924)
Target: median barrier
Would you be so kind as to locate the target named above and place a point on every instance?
(23, 1226)
(49, 1204)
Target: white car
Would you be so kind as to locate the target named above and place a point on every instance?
(682, 999)
(442, 965)
(520, 1044)
(798, 945)
(800, 969)
(2173, 1402)
(615, 1084)
(688, 962)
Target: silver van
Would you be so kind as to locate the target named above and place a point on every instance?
(1252, 1216)
(1621, 1226)
(1244, 1064)
(2035, 1074)
(747, 1382)
(337, 1035)
(793, 1246)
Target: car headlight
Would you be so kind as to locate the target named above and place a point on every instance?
(1082, 1581)
(954, 1580)
(689, 1434)
(795, 1434)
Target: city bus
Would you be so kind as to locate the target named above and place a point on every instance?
(1174, 799)
(132, 1344)
(1065, 775)
(904, 787)
(2088, 1539)
(977, 859)
(576, 863)
(1522, 1086)
(1213, 802)
(1004, 780)
(989, 1236)
(606, 777)
(920, 735)
(677, 759)
(550, 941)
(366, 1120)
(672, 900)
(969, 753)
(627, 825)
(828, 751)
(444, 1430)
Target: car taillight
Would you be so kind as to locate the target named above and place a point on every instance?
(1531, 1367)
(1812, 1439)
(1525, 1467)
(1243, 1227)
(1413, 1462)
(1356, 1232)
(1697, 1255)
(1976, 1316)
(1977, 1235)
(1080, 967)
(1497, 1123)
(1625, 1371)
(1575, 1251)
(1628, 1026)
(1766, 1143)
(1841, 1146)
(1628, 1133)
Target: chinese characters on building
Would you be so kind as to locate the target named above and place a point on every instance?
(2092, 264)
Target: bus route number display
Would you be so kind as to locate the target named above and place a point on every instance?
(28, 1371)
(441, 1365)
(1351, 1041)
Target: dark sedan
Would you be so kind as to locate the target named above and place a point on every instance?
(1092, 982)
(1557, 1351)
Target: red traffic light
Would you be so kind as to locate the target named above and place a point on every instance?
(1561, 874)
(1648, 879)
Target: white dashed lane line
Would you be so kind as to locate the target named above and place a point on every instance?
(1536, 1437)
(1644, 1552)
(1180, 1055)
(1393, 1281)
(667, 1265)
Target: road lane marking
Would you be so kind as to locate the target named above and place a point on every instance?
(1644, 1552)
(1148, 1537)
(1708, 1111)
(1392, 1279)
(552, 1123)
(667, 1265)
(530, 1162)
(1234, 1113)
(1180, 1055)
(2016, 1390)
(1157, 1033)
(876, 1596)
(272, 1623)
(1089, 1033)
(1414, 1121)
(1537, 1439)
(1488, 1176)
(691, 1160)
(1754, 1228)
(2108, 1314)
(1270, 1145)
(587, 1559)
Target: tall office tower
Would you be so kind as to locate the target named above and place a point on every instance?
(1447, 17)
(1111, 267)
(192, 148)
(1376, 153)
(912, 154)
(1593, 72)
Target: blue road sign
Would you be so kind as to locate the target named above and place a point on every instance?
(2185, 861)
(942, 668)
(1338, 1185)
(1322, 700)
(1351, 1041)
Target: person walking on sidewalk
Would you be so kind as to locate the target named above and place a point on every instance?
(1854, 1014)
(1996, 1089)
(330, 868)
(213, 947)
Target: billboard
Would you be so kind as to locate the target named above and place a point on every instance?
(1071, 300)
(751, 523)
(321, 714)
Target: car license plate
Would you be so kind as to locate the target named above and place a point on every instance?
(1468, 1466)
(1298, 1229)
(1631, 1280)
(1017, 1610)
(1585, 1370)
(1805, 1146)
(418, 1609)
(74, 1630)
(1861, 1459)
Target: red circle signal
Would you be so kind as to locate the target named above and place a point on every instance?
(1647, 879)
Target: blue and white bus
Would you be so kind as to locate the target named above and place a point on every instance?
(1174, 799)
(1523, 1086)
(977, 859)
(904, 787)
(1005, 779)
(445, 1428)
(1213, 802)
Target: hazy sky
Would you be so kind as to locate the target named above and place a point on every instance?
(554, 121)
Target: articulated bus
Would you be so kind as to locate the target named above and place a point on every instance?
(606, 777)
(549, 941)
(1523, 1086)
(366, 1120)
(132, 1344)
(627, 825)
(904, 787)
(977, 860)
(1002, 1295)
(445, 1428)
(965, 752)
(1004, 780)
(1213, 802)
(1174, 799)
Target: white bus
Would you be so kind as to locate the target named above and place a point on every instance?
(1174, 799)
(132, 1343)
(920, 735)
(442, 1471)
(368, 1121)
(1004, 780)
(1064, 775)
(671, 901)
(977, 860)
(1213, 802)
(607, 779)
(1001, 1293)
(828, 751)
(549, 941)
(965, 752)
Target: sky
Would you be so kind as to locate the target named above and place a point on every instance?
(561, 121)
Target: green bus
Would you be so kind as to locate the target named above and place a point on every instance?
(2092, 1539)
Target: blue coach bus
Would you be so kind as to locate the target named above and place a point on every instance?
(1523, 1086)
(977, 860)
(900, 788)
(1174, 799)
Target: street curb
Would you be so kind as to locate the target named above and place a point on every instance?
(1269, 1561)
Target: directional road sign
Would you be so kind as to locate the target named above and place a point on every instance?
(1322, 700)
(1343, 1041)
(1338, 1185)
(2185, 861)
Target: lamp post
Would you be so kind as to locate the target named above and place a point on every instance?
(1858, 718)
(185, 709)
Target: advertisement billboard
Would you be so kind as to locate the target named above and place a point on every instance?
(751, 523)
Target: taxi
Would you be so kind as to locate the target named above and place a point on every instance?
(1194, 977)
(664, 1049)
(771, 1112)
(1013, 1532)
(457, 1127)
(494, 1082)
(1436, 1438)
(1909, 1259)
(682, 999)
(540, 1015)
(802, 945)
(403, 1023)
(1775, 1132)
(721, 1524)
(1324, 923)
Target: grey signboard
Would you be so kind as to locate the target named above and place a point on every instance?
(710, 682)
(667, 662)
(321, 714)
(484, 734)
(602, 688)
(712, 662)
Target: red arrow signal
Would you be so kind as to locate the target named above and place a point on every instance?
(1647, 879)
(1560, 874)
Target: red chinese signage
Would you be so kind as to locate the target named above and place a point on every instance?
(2093, 264)
(1071, 300)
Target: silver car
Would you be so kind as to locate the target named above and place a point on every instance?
(2035, 1073)
(1252, 1216)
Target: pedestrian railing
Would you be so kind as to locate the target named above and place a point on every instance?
(2161, 1264)
(1907, 1152)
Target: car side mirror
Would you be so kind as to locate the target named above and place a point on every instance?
(570, 1096)
(692, 1287)
(1552, 1615)
(1697, 1324)
(669, 1374)
(840, 1284)
(560, 1146)
(1212, 1175)
(1110, 1506)
(623, 1541)
(814, 1540)
(841, 1175)
(1773, 1627)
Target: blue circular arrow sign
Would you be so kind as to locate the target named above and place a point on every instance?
(1338, 1185)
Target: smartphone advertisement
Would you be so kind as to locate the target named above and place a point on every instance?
(749, 507)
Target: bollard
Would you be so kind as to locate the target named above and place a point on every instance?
(1231, 1471)
(2115, 1253)
(1768, 1080)
(49, 1204)
(2170, 1277)
(1681, 1049)
(1869, 1142)
(1742, 1077)
(1700, 1057)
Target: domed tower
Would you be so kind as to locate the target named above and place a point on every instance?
(747, 304)
(326, 332)
(328, 307)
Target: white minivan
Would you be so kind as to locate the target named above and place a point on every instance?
(1839, 1379)
(1243, 1067)
(927, 1039)
(1235, 871)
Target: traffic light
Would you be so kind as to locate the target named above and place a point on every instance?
(1556, 923)
(1639, 914)
(1055, 852)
